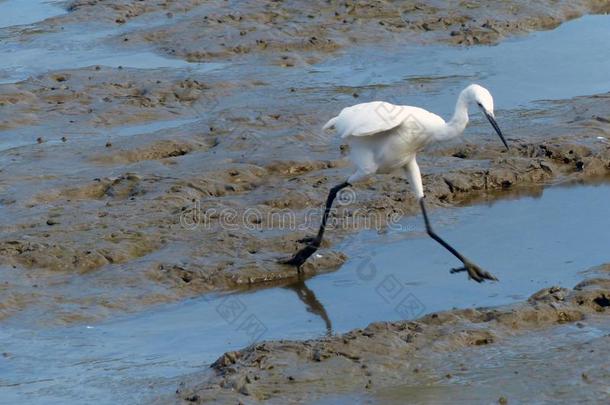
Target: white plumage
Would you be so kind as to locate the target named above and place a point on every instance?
(374, 117)
(384, 137)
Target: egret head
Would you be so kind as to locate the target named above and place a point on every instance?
(482, 97)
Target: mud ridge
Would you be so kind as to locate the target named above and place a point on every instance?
(384, 354)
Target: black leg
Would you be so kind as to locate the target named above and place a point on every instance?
(314, 243)
(474, 271)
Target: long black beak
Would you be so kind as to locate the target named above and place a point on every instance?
(494, 124)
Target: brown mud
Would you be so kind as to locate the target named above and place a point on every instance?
(170, 209)
(100, 96)
(307, 30)
(161, 215)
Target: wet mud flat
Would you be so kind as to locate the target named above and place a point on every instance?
(123, 150)
(320, 26)
(179, 174)
(399, 275)
(461, 354)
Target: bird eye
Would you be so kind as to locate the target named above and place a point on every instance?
(480, 105)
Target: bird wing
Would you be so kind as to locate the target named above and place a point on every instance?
(371, 118)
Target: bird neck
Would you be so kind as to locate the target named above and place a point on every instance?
(458, 122)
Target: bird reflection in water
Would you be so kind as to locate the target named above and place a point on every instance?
(312, 304)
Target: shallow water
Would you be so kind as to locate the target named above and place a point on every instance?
(518, 71)
(20, 12)
(27, 136)
(22, 61)
(560, 233)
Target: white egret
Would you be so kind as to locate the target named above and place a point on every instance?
(384, 137)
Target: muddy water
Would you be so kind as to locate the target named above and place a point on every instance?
(80, 46)
(527, 244)
(137, 357)
(559, 233)
(519, 71)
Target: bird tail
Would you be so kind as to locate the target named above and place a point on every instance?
(330, 123)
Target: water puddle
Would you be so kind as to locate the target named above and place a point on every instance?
(399, 275)
(23, 62)
(149, 127)
(27, 136)
(21, 12)
(77, 46)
